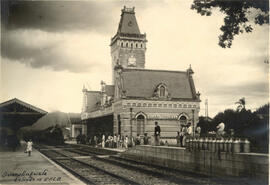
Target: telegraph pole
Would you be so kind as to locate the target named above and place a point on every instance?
(206, 108)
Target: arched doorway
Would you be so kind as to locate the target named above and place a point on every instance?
(140, 124)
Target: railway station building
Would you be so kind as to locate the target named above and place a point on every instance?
(139, 97)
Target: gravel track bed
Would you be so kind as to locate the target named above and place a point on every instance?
(80, 152)
(133, 175)
(89, 173)
(51, 154)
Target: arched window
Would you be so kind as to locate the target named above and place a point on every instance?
(141, 45)
(136, 45)
(127, 44)
(140, 124)
(162, 91)
(131, 45)
(183, 120)
(122, 44)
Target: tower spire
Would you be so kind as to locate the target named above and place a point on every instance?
(128, 46)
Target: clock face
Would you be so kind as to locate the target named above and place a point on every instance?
(132, 61)
(130, 23)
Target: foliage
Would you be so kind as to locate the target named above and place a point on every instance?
(246, 124)
(204, 124)
(241, 104)
(238, 16)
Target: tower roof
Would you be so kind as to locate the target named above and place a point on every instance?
(128, 27)
(128, 23)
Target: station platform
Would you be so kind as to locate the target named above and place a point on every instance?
(19, 168)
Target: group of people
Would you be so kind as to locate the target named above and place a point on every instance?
(114, 141)
(186, 131)
(120, 141)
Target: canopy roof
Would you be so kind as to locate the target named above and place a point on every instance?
(16, 114)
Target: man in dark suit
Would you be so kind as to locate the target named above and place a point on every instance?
(157, 133)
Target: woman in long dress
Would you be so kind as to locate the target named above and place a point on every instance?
(29, 147)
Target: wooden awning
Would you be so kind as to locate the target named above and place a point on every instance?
(16, 114)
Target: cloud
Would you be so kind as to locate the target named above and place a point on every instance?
(257, 89)
(59, 52)
(61, 35)
(59, 16)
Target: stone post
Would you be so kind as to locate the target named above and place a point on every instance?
(246, 146)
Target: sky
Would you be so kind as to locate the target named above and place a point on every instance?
(51, 49)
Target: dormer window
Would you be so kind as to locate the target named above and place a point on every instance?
(162, 91)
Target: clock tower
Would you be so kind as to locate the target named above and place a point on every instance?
(128, 46)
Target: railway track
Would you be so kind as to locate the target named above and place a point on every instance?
(94, 167)
(68, 158)
(88, 173)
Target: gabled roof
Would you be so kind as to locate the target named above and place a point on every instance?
(93, 100)
(15, 100)
(109, 90)
(128, 23)
(143, 82)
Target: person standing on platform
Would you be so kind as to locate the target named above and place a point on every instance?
(29, 145)
(198, 131)
(126, 142)
(114, 141)
(137, 141)
(178, 139)
(95, 141)
(118, 140)
(145, 139)
(103, 141)
(157, 133)
(189, 130)
(183, 136)
(220, 129)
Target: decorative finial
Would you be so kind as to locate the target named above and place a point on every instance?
(189, 70)
(84, 89)
(102, 82)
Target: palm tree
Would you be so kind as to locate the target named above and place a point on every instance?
(241, 104)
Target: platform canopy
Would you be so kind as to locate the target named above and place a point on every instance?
(15, 114)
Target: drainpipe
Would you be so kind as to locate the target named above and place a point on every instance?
(193, 130)
(130, 122)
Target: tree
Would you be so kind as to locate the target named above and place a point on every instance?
(247, 124)
(239, 15)
(242, 104)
